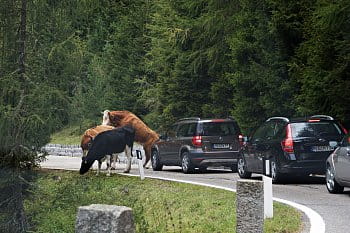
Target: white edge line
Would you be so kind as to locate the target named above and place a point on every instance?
(317, 224)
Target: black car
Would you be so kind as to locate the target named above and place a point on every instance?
(338, 167)
(292, 147)
(198, 143)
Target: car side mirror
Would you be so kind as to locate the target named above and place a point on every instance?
(163, 137)
(333, 144)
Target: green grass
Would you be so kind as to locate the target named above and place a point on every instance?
(70, 135)
(158, 206)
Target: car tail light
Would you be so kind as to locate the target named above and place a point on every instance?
(287, 143)
(197, 141)
(343, 128)
(317, 120)
(240, 139)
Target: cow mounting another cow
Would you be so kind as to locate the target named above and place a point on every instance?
(143, 134)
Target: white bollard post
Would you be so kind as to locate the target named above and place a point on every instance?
(268, 203)
(140, 163)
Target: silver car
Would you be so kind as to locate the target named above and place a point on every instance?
(338, 167)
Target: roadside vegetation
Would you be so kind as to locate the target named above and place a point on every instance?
(158, 206)
(71, 134)
(67, 136)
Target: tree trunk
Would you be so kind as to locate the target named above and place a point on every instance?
(22, 54)
(22, 40)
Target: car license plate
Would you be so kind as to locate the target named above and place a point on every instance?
(321, 148)
(221, 146)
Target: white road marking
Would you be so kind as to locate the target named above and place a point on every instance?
(316, 221)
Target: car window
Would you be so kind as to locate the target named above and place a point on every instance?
(259, 133)
(315, 129)
(265, 131)
(192, 128)
(217, 129)
(279, 130)
(172, 131)
(182, 130)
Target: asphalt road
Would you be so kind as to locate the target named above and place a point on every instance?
(310, 192)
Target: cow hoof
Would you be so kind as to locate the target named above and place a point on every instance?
(113, 168)
(126, 171)
(108, 174)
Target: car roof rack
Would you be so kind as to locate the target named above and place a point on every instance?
(278, 118)
(190, 118)
(323, 117)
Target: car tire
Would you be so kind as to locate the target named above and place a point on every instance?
(331, 184)
(241, 168)
(276, 175)
(234, 168)
(156, 164)
(186, 164)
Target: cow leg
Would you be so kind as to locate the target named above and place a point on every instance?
(108, 161)
(99, 167)
(147, 148)
(114, 161)
(128, 159)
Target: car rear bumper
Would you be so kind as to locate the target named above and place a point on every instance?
(222, 158)
(304, 167)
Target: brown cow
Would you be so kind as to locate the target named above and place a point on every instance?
(90, 134)
(86, 140)
(143, 134)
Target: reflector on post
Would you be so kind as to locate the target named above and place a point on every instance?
(139, 160)
(266, 166)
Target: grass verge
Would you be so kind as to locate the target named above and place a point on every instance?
(158, 206)
(71, 134)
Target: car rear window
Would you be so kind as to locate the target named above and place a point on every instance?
(315, 129)
(217, 129)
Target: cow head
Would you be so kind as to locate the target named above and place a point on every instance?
(105, 118)
(85, 165)
(86, 142)
(114, 120)
(111, 118)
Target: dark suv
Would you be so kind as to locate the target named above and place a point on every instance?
(297, 147)
(198, 143)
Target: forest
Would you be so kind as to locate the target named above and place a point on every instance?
(62, 62)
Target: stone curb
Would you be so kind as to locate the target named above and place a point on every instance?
(76, 151)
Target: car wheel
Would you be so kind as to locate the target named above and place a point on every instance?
(276, 175)
(241, 168)
(156, 164)
(186, 164)
(331, 183)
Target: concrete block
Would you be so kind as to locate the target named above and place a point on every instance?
(250, 206)
(98, 218)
